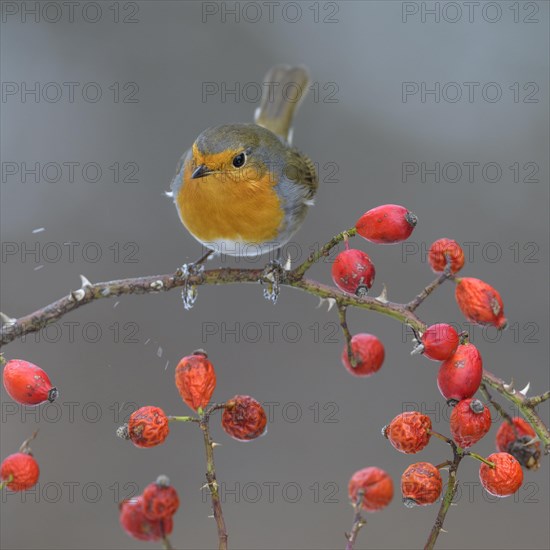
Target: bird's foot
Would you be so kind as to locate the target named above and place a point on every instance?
(273, 275)
(186, 272)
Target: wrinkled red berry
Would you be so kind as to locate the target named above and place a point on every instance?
(368, 352)
(27, 383)
(409, 432)
(514, 440)
(20, 471)
(470, 421)
(459, 376)
(440, 250)
(160, 499)
(243, 418)
(421, 484)
(375, 485)
(479, 302)
(196, 380)
(505, 478)
(147, 427)
(353, 272)
(386, 224)
(439, 342)
(136, 524)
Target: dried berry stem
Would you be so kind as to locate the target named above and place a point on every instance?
(442, 437)
(358, 521)
(6, 482)
(404, 313)
(166, 544)
(347, 334)
(480, 458)
(184, 418)
(452, 486)
(211, 480)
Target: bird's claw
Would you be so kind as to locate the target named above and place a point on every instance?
(272, 277)
(189, 292)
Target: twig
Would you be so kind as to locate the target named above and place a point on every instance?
(358, 521)
(413, 304)
(347, 335)
(538, 399)
(498, 407)
(452, 486)
(524, 404)
(324, 251)
(404, 313)
(211, 479)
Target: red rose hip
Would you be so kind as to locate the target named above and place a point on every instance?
(27, 383)
(368, 352)
(479, 302)
(459, 376)
(409, 432)
(518, 441)
(439, 342)
(505, 478)
(421, 484)
(196, 380)
(136, 524)
(386, 224)
(147, 427)
(353, 272)
(442, 249)
(375, 485)
(19, 471)
(160, 499)
(470, 421)
(243, 418)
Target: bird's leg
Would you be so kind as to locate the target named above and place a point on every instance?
(272, 276)
(189, 291)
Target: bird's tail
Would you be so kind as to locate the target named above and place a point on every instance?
(284, 89)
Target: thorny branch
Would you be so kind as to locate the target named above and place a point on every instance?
(405, 313)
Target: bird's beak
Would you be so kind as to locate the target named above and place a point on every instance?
(200, 171)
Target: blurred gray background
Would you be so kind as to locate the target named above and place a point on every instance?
(112, 356)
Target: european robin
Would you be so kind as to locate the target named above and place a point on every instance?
(243, 189)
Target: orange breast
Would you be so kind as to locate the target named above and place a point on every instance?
(216, 207)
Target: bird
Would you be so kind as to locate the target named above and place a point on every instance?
(243, 189)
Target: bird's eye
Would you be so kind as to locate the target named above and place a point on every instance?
(239, 160)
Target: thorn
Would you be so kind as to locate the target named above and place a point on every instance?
(532, 441)
(383, 298)
(7, 320)
(441, 530)
(85, 282)
(205, 486)
(525, 390)
(331, 303)
(214, 444)
(157, 285)
(78, 295)
(288, 264)
(169, 194)
(210, 517)
(510, 387)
